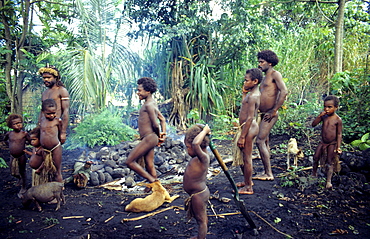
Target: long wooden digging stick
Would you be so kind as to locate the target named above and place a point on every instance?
(238, 201)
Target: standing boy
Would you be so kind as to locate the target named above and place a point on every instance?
(273, 95)
(50, 139)
(248, 126)
(17, 143)
(331, 137)
(195, 176)
(149, 131)
(59, 93)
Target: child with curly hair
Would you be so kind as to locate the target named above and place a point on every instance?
(149, 129)
(16, 140)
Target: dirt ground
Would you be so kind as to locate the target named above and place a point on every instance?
(303, 210)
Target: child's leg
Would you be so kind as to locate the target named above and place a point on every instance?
(57, 159)
(148, 143)
(149, 163)
(330, 162)
(199, 208)
(316, 159)
(22, 160)
(247, 158)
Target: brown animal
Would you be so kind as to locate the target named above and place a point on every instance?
(153, 201)
(293, 149)
(44, 193)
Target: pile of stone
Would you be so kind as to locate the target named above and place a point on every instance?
(109, 162)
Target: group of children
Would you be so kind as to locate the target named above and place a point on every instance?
(46, 140)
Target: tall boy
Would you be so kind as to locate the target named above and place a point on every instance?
(149, 131)
(195, 176)
(50, 140)
(248, 126)
(331, 137)
(17, 142)
(273, 94)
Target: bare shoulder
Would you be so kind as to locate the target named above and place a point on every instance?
(63, 91)
(276, 75)
(339, 119)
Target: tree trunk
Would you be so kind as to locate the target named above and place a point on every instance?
(339, 33)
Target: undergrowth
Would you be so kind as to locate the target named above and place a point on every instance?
(100, 129)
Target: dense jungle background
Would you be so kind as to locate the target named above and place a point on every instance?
(197, 51)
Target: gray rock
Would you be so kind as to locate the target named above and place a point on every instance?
(101, 177)
(130, 182)
(158, 159)
(108, 177)
(118, 173)
(108, 169)
(110, 163)
(94, 179)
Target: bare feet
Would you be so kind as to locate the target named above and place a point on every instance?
(263, 177)
(240, 184)
(329, 186)
(246, 190)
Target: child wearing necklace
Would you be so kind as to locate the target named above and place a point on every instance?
(37, 157)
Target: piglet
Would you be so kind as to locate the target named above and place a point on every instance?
(44, 193)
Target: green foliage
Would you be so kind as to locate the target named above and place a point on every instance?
(50, 221)
(363, 143)
(295, 119)
(3, 164)
(353, 90)
(222, 126)
(100, 129)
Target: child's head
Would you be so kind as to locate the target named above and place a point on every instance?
(255, 73)
(49, 107)
(192, 132)
(268, 56)
(334, 99)
(148, 84)
(13, 120)
(35, 137)
(51, 72)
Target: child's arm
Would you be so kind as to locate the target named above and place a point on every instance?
(250, 116)
(60, 132)
(197, 142)
(6, 138)
(162, 134)
(339, 136)
(153, 118)
(318, 119)
(28, 138)
(28, 152)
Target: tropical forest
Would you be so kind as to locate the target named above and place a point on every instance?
(197, 52)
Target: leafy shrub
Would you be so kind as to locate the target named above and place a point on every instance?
(100, 129)
(353, 88)
(295, 119)
(3, 163)
(363, 143)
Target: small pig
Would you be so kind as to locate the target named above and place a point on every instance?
(44, 193)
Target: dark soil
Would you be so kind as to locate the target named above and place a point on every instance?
(303, 210)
